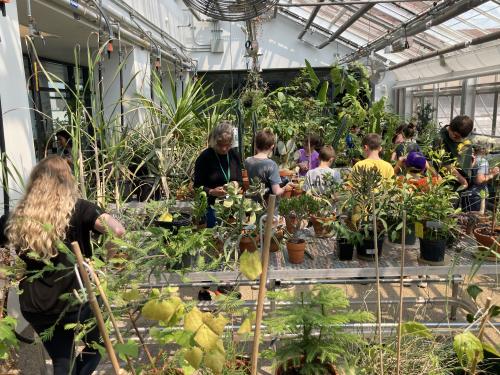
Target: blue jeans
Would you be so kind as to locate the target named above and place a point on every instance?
(211, 219)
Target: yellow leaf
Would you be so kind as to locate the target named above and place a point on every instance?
(165, 310)
(220, 346)
(215, 324)
(166, 217)
(193, 320)
(215, 361)
(228, 203)
(250, 265)
(194, 357)
(206, 338)
(131, 295)
(246, 327)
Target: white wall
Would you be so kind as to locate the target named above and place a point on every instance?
(14, 96)
(278, 44)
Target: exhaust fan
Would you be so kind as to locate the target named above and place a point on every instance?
(231, 10)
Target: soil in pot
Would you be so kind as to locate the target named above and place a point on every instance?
(345, 250)
(432, 250)
(366, 250)
(296, 249)
(485, 237)
(248, 243)
(322, 226)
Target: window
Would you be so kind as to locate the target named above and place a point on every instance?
(483, 113)
(444, 110)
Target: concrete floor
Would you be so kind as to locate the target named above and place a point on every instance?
(32, 361)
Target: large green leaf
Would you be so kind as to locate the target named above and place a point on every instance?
(130, 349)
(468, 347)
(312, 75)
(323, 92)
(415, 328)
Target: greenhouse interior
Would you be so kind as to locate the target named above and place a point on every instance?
(249, 187)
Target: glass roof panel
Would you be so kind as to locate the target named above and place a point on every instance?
(384, 17)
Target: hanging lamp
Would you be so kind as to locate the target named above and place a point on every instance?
(231, 10)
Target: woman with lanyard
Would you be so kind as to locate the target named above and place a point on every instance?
(214, 168)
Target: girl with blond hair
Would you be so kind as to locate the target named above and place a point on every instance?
(41, 228)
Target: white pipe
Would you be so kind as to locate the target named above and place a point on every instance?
(93, 17)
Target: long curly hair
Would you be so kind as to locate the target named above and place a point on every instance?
(42, 216)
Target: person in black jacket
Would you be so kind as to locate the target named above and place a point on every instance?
(216, 166)
(41, 228)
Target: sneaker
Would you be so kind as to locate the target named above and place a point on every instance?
(204, 295)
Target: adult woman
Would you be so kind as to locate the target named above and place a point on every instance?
(216, 166)
(48, 218)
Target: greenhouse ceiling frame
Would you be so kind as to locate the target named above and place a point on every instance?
(370, 26)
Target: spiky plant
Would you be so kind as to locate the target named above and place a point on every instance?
(315, 318)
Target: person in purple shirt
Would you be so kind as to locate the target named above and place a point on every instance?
(308, 156)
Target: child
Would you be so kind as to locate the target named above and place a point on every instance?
(408, 145)
(314, 178)
(372, 146)
(308, 156)
(261, 167)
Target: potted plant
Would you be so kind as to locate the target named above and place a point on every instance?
(487, 235)
(347, 239)
(367, 195)
(314, 319)
(200, 206)
(435, 216)
(295, 210)
(322, 217)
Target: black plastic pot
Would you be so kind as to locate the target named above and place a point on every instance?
(367, 249)
(345, 249)
(432, 250)
(410, 239)
(180, 220)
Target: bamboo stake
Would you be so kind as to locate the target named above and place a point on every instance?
(95, 308)
(379, 309)
(403, 240)
(263, 280)
(484, 320)
(110, 312)
(143, 344)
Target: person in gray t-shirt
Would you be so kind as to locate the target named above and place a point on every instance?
(315, 178)
(261, 167)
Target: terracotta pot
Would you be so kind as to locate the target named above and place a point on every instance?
(287, 194)
(322, 227)
(246, 183)
(275, 241)
(484, 237)
(248, 243)
(296, 251)
(244, 173)
(292, 223)
(296, 370)
(286, 173)
(297, 192)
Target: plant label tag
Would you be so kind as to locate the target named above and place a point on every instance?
(419, 230)
(370, 251)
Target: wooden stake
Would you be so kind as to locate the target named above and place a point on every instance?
(403, 240)
(110, 312)
(379, 309)
(95, 308)
(263, 279)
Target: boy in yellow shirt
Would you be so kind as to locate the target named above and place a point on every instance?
(372, 146)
